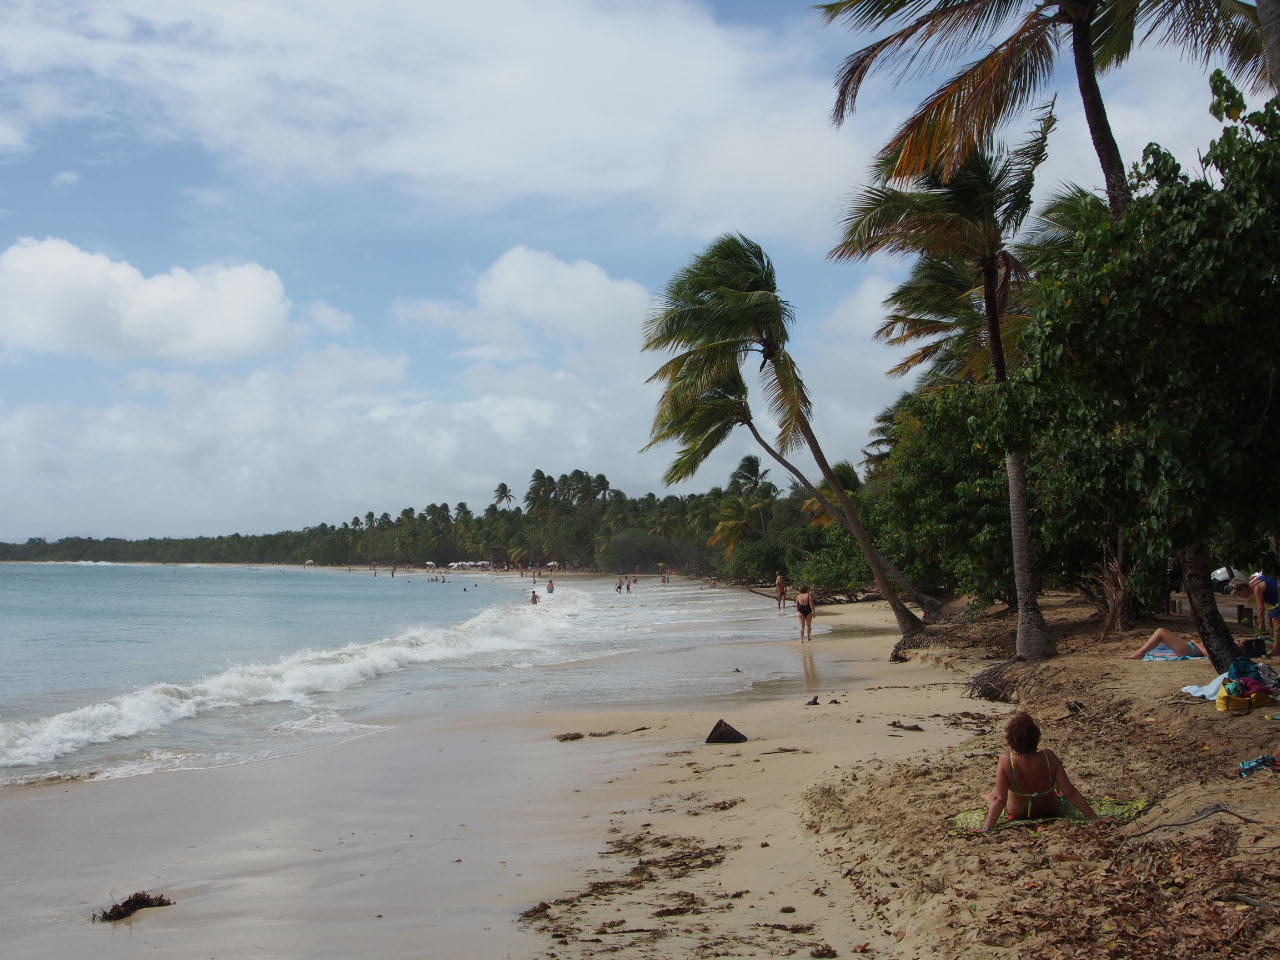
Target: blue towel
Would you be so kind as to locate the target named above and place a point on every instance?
(1164, 652)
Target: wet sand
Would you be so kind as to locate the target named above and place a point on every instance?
(430, 838)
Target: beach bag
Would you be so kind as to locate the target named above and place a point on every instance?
(1239, 705)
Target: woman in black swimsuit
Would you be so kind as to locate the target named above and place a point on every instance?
(804, 610)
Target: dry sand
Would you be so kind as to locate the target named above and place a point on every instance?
(847, 846)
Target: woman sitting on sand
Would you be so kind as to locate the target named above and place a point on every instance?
(1027, 778)
(1182, 645)
(805, 606)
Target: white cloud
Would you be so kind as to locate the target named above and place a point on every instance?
(571, 100)
(55, 297)
(329, 318)
(530, 302)
(65, 178)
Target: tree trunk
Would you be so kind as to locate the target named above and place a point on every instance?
(1095, 112)
(1114, 585)
(1034, 642)
(992, 306)
(930, 607)
(908, 622)
(1214, 633)
(1269, 19)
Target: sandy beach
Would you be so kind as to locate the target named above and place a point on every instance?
(826, 833)
(442, 830)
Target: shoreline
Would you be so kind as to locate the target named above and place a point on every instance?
(340, 850)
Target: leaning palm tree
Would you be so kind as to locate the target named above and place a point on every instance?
(1022, 41)
(715, 313)
(969, 218)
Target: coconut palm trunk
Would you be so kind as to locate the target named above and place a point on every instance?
(1095, 113)
(929, 606)
(907, 621)
(1034, 642)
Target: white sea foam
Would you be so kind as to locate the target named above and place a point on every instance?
(494, 637)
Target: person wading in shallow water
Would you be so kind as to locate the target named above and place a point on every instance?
(805, 607)
(780, 590)
(533, 597)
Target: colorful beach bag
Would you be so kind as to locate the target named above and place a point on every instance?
(1233, 698)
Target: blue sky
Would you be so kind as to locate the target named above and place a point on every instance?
(270, 264)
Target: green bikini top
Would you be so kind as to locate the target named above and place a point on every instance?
(1030, 797)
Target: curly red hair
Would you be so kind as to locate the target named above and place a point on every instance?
(1021, 733)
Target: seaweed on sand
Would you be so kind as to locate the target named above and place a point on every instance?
(130, 906)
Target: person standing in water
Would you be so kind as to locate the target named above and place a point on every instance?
(805, 607)
(551, 586)
(780, 590)
(533, 597)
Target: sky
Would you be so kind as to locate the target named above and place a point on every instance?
(266, 264)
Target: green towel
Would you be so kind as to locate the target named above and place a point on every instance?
(1106, 807)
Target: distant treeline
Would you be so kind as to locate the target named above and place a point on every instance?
(745, 531)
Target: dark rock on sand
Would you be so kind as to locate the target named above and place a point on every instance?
(724, 733)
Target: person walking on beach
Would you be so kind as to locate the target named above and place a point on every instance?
(780, 590)
(805, 607)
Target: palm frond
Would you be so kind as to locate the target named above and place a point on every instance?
(1052, 229)
(1020, 172)
(929, 33)
(1210, 29)
(965, 112)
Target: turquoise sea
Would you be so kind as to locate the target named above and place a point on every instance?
(114, 670)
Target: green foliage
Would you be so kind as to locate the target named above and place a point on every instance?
(1153, 362)
(837, 565)
(752, 561)
(942, 499)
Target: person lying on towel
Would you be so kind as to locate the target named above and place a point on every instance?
(1031, 782)
(1181, 644)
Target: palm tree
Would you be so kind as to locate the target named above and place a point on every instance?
(883, 433)
(502, 496)
(735, 519)
(747, 476)
(717, 311)
(969, 218)
(966, 111)
(1268, 12)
